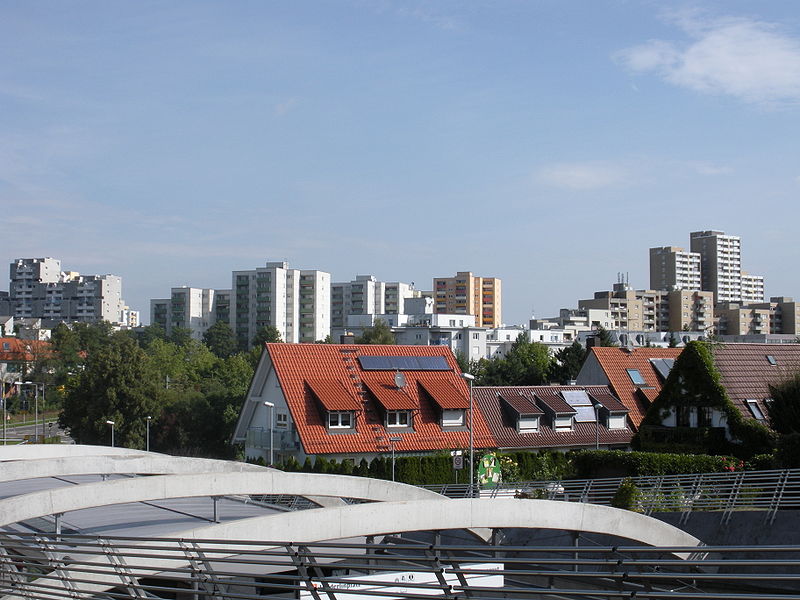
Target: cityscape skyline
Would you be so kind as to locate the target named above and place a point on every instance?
(546, 145)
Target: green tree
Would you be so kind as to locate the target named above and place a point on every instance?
(568, 362)
(180, 336)
(266, 335)
(527, 363)
(379, 333)
(146, 335)
(115, 385)
(784, 410)
(673, 340)
(604, 338)
(220, 339)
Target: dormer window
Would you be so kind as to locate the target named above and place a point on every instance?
(340, 419)
(453, 417)
(562, 423)
(528, 423)
(398, 418)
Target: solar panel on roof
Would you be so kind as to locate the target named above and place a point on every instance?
(663, 366)
(403, 363)
(584, 414)
(576, 398)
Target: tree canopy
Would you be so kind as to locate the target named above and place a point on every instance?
(220, 339)
(526, 363)
(266, 335)
(379, 333)
(568, 362)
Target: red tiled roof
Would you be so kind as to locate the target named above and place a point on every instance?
(18, 350)
(333, 395)
(488, 400)
(615, 361)
(520, 403)
(387, 393)
(746, 374)
(445, 394)
(295, 363)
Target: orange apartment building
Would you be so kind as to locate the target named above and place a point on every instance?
(466, 294)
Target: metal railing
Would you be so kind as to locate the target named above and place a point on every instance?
(48, 568)
(727, 492)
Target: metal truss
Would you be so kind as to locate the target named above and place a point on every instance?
(71, 567)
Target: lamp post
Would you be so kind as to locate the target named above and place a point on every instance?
(596, 425)
(393, 439)
(148, 419)
(36, 404)
(271, 408)
(470, 378)
(112, 431)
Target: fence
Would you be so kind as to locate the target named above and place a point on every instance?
(768, 491)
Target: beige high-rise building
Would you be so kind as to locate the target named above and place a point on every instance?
(672, 268)
(720, 263)
(781, 315)
(466, 294)
(654, 310)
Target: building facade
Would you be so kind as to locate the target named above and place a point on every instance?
(365, 295)
(190, 308)
(296, 302)
(672, 268)
(40, 289)
(466, 294)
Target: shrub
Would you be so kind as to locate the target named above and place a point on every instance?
(627, 496)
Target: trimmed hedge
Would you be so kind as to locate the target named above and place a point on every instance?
(618, 463)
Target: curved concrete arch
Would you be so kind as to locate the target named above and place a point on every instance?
(381, 518)
(37, 451)
(147, 464)
(141, 489)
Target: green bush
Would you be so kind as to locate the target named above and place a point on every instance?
(627, 496)
(618, 463)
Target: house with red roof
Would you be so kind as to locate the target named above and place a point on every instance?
(634, 375)
(360, 401)
(356, 401)
(717, 397)
(554, 417)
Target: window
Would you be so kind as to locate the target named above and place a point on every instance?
(684, 416)
(281, 419)
(452, 418)
(755, 409)
(528, 423)
(562, 423)
(704, 416)
(771, 360)
(340, 419)
(476, 336)
(452, 322)
(398, 418)
(636, 376)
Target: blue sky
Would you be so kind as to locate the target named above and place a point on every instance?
(548, 143)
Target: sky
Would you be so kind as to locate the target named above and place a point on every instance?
(547, 143)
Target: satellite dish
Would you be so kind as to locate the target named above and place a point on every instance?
(399, 379)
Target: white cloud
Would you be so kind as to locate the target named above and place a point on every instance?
(752, 60)
(583, 176)
(703, 168)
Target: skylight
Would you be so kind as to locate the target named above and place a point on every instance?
(755, 409)
(771, 360)
(636, 377)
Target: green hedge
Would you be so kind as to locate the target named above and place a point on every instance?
(618, 463)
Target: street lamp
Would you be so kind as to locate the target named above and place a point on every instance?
(148, 419)
(470, 378)
(596, 425)
(392, 440)
(271, 408)
(36, 405)
(112, 431)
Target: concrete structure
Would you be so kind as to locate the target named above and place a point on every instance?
(466, 294)
(721, 267)
(653, 310)
(40, 289)
(195, 309)
(365, 295)
(672, 268)
(296, 302)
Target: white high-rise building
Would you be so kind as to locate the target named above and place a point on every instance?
(296, 302)
(672, 268)
(39, 289)
(721, 267)
(365, 295)
(195, 309)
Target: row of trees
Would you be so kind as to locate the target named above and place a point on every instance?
(192, 390)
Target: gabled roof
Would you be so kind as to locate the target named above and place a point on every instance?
(615, 363)
(746, 373)
(490, 401)
(520, 404)
(549, 398)
(14, 349)
(297, 365)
